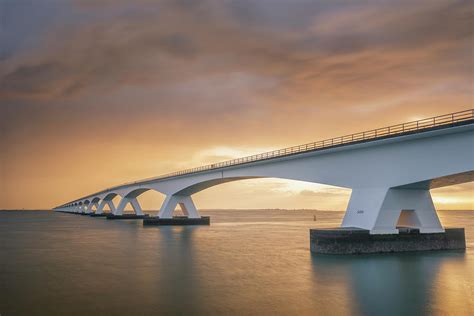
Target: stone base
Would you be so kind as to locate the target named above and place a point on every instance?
(126, 216)
(74, 213)
(177, 220)
(98, 215)
(344, 241)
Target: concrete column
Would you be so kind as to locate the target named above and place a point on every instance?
(89, 208)
(91, 205)
(102, 204)
(123, 203)
(379, 210)
(185, 202)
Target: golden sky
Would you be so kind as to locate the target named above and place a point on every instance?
(96, 93)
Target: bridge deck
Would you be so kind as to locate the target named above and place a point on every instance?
(414, 127)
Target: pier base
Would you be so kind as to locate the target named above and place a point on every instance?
(344, 241)
(177, 220)
(98, 215)
(74, 213)
(126, 216)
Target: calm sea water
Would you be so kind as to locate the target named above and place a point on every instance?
(245, 263)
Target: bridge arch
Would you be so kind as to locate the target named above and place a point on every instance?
(95, 200)
(182, 195)
(131, 197)
(110, 196)
(107, 201)
(94, 203)
(136, 192)
(200, 186)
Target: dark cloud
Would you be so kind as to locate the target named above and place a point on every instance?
(291, 52)
(179, 45)
(31, 79)
(305, 45)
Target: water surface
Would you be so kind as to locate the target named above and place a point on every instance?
(245, 263)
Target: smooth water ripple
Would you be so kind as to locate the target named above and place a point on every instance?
(245, 263)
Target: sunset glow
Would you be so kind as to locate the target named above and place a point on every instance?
(236, 157)
(97, 93)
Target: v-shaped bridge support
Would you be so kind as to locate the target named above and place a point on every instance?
(103, 203)
(123, 203)
(380, 210)
(185, 202)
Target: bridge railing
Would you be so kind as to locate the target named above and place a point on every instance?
(389, 131)
(393, 130)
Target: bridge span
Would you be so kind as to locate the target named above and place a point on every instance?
(390, 171)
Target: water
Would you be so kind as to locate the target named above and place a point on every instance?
(245, 263)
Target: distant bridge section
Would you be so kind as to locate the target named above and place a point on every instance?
(390, 171)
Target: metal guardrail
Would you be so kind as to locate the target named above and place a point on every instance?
(379, 133)
(423, 124)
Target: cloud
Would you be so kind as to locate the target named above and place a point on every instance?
(274, 60)
(104, 75)
(324, 193)
(176, 42)
(31, 80)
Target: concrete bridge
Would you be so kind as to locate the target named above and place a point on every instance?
(390, 171)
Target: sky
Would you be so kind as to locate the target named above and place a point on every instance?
(94, 93)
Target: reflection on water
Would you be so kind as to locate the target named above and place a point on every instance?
(246, 262)
(397, 284)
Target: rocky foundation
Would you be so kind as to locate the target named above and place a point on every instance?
(98, 215)
(176, 220)
(126, 216)
(348, 241)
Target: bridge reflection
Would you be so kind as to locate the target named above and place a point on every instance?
(397, 284)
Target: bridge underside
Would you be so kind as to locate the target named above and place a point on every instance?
(378, 210)
(459, 178)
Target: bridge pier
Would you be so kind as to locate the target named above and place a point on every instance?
(185, 202)
(90, 206)
(102, 204)
(118, 213)
(387, 220)
(381, 211)
(124, 202)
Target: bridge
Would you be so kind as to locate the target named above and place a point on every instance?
(390, 171)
